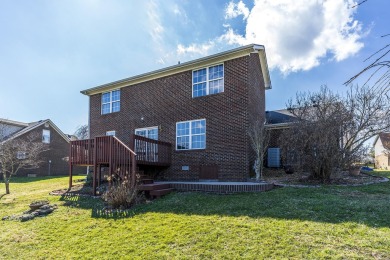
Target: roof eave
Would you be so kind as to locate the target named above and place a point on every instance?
(241, 51)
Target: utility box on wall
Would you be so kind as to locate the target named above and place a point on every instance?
(273, 157)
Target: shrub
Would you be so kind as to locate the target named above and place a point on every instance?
(122, 194)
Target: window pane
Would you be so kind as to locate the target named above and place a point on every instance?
(116, 95)
(141, 132)
(216, 86)
(199, 76)
(183, 143)
(183, 129)
(115, 106)
(198, 127)
(106, 97)
(153, 133)
(216, 72)
(46, 136)
(106, 108)
(198, 141)
(199, 90)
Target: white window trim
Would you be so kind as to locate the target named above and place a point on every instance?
(190, 135)
(111, 133)
(110, 102)
(208, 80)
(147, 128)
(43, 134)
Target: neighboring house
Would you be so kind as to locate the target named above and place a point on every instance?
(54, 162)
(198, 111)
(382, 151)
(276, 122)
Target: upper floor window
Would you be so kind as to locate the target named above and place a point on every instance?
(111, 102)
(207, 81)
(46, 136)
(191, 135)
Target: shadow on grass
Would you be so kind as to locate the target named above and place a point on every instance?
(368, 205)
(33, 179)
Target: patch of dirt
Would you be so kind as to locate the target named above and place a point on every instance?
(279, 177)
(76, 190)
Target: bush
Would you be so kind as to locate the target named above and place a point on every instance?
(122, 194)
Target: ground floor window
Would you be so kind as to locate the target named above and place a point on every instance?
(191, 135)
(147, 151)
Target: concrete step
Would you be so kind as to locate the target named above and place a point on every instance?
(159, 193)
(153, 186)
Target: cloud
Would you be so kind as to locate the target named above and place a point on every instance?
(297, 35)
(201, 49)
(156, 28)
(233, 10)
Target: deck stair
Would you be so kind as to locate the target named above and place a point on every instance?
(154, 190)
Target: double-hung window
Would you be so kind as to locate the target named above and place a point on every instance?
(207, 81)
(111, 102)
(191, 135)
(46, 136)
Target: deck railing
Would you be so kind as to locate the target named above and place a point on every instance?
(109, 151)
(151, 152)
(82, 152)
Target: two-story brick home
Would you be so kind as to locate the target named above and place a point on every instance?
(201, 107)
(53, 159)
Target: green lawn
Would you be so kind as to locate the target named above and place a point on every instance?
(295, 223)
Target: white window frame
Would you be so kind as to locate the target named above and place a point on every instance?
(110, 102)
(151, 150)
(147, 129)
(190, 135)
(46, 132)
(208, 80)
(21, 155)
(111, 133)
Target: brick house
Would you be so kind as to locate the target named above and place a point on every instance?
(54, 162)
(200, 109)
(382, 151)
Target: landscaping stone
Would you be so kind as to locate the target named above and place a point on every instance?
(40, 211)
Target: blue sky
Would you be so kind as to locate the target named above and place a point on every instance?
(51, 50)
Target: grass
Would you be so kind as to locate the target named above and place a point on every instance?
(312, 223)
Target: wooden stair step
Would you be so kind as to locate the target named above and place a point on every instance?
(159, 193)
(154, 186)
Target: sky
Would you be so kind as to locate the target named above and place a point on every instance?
(51, 50)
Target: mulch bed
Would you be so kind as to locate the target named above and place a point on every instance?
(279, 177)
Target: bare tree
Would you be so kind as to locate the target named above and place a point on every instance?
(20, 153)
(331, 131)
(259, 139)
(378, 69)
(82, 132)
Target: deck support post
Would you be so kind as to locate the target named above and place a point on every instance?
(133, 165)
(95, 165)
(70, 166)
(110, 162)
(70, 175)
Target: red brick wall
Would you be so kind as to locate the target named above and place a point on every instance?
(58, 149)
(165, 101)
(256, 102)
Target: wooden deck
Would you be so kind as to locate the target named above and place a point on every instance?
(121, 160)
